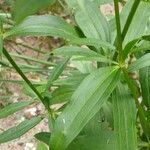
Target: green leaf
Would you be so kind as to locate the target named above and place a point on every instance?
(94, 58)
(22, 128)
(124, 119)
(56, 72)
(91, 21)
(144, 75)
(62, 94)
(75, 51)
(41, 146)
(79, 51)
(128, 48)
(12, 108)
(140, 63)
(24, 8)
(85, 103)
(104, 141)
(46, 25)
(92, 42)
(144, 46)
(43, 137)
(83, 66)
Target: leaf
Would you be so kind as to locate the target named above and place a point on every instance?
(140, 63)
(75, 51)
(22, 128)
(24, 8)
(43, 137)
(128, 48)
(62, 94)
(94, 58)
(66, 87)
(91, 21)
(46, 25)
(92, 42)
(124, 119)
(83, 66)
(104, 141)
(85, 103)
(79, 51)
(144, 46)
(41, 146)
(56, 72)
(12, 108)
(144, 75)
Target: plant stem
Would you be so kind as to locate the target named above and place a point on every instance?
(130, 17)
(119, 35)
(12, 62)
(128, 23)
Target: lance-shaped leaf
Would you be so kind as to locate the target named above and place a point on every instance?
(12, 108)
(46, 25)
(74, 51)
(24, 8)
(56, 72)
(22, 128)
(140, 63)
(145, 84)
(92, 42)
(85, 103)
(124, 111)
(91, 21)
(86, 53)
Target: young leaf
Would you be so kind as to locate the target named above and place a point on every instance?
(23, 8)
(46, 25)
(124, 111)
(140, 63)
(43, 137)
(96, 25)
(85, 103)
(56, 73)
(16, 132)
(12, 108)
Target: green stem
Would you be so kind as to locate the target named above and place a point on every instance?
(12, 62)
(128, 23)
(141, 111)
(119, 35)
(130, 17)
